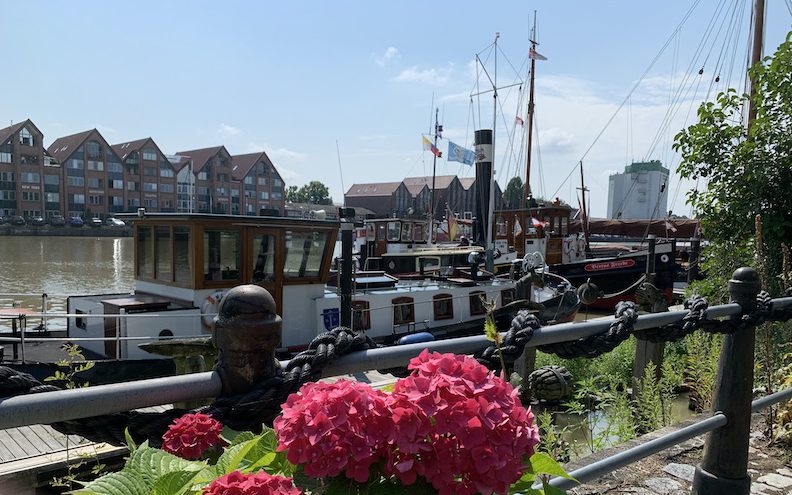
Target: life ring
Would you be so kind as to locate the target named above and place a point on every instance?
(664, 258)
(567, 246)
(209, 309)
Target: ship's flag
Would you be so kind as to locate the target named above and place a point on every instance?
(427, 145)
(453, 226)
(536, 55)
(537, 223)
(519, 120)
(517, 227)
(457, 153)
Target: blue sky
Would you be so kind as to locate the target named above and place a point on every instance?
(294, 78)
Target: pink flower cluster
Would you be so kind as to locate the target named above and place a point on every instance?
(260, 483)
(191, 435)
(451, 422)
(333, 427)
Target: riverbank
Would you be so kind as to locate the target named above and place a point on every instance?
(65, 231)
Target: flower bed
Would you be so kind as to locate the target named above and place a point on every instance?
(451, 427)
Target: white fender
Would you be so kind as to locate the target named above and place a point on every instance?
(209, 309)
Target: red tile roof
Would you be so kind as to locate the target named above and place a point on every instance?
(242, 164)
(441, 181)
(373, 189)
(201, 156)
(63, 147)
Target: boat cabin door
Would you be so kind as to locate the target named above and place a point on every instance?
(266, 263)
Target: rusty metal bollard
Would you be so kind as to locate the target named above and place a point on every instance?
(724, 466)
(247, 332)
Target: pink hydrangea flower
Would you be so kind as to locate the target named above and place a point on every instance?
(192, 435)
(480, 432)
(333, 427)
(260, 483)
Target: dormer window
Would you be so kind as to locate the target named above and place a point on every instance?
(25, 137)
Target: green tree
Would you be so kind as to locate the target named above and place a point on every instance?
(514, 196)
(314, 192)
(746, 172)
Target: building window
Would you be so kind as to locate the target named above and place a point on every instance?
(30, 177)
(77, 199)
(76, 181)
(403, 310)
(203, 176)
(95, 165)
(150, 203)
(5, 157)
(7, 177)
(94, 149)
(166, 171)
(150, 187)
(477, 303)
(25, 137)
(96, 200)
(31, 196)
(75, 164)
(94, 182)
(150, 171)
(29, 159)
(52, 180)
(115, 167)
(166, 188)
(133, 186)
(149, 154)
(52, 197)
(361, 315)
(443, 305)
(249, 180)
(116, 184)
(262, 181)
(264, 195)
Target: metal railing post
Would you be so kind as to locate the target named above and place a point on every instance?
(724, 465)
(22, 324)
(121, 320)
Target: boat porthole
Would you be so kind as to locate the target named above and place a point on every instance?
(392, 265)
(664, 258)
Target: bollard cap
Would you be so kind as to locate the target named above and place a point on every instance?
(246, 302)
(744, 286)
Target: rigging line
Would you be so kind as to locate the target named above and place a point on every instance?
(618, 210)
(674, 62)
(672, 113)
(717, 63)
(745, 13)
(516, 72)
(539, 157)
(635, 86)
(789, 6)
(690, 71)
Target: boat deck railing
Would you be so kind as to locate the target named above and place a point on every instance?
(728, 427)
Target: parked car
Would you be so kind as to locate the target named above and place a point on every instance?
(76, 222)
(95, 222)
(36, 221)
(16, 220)
(114, 222)
(57, 221)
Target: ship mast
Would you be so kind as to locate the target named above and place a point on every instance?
(437, 130)
(529, 141)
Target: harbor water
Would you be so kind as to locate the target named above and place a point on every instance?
(60, 267)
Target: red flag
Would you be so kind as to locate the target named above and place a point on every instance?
(519, 120)
(536, 55)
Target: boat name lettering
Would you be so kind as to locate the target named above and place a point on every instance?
(608, 265)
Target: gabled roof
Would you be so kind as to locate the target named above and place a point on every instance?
(9, 131)
(63, 147)
(440, 181)
(467, 182)
(178, 161)
(201, 156)
(373, 189)
(123, 149)
(242, 164)
(415, 189)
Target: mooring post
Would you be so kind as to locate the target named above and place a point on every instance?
(724, 466)
(247, 332)
(645, 351)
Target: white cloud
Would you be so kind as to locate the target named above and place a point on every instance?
(438, 76)
(277, 153)
(389, 54)
(228, 130)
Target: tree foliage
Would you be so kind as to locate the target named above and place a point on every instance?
(746, 173)
(514, 196)
(314, 192)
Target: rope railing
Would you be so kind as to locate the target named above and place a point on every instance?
(257, 400)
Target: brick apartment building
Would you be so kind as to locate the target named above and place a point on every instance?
(83, 175)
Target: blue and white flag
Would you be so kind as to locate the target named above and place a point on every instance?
(457, 153)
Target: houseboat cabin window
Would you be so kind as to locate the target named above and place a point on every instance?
(264, 262)
(381, 232)
(361, 315)
(418, 232)
(564, 225)
(221, 255)
(426, 263)
(407, 232)
(507, 296)
(394, 231)
(443, 307)
(304, 253)
(500, 226)
(477, 303)
(182, 262)
(162, 247)
(145, 253)
(403, 310)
